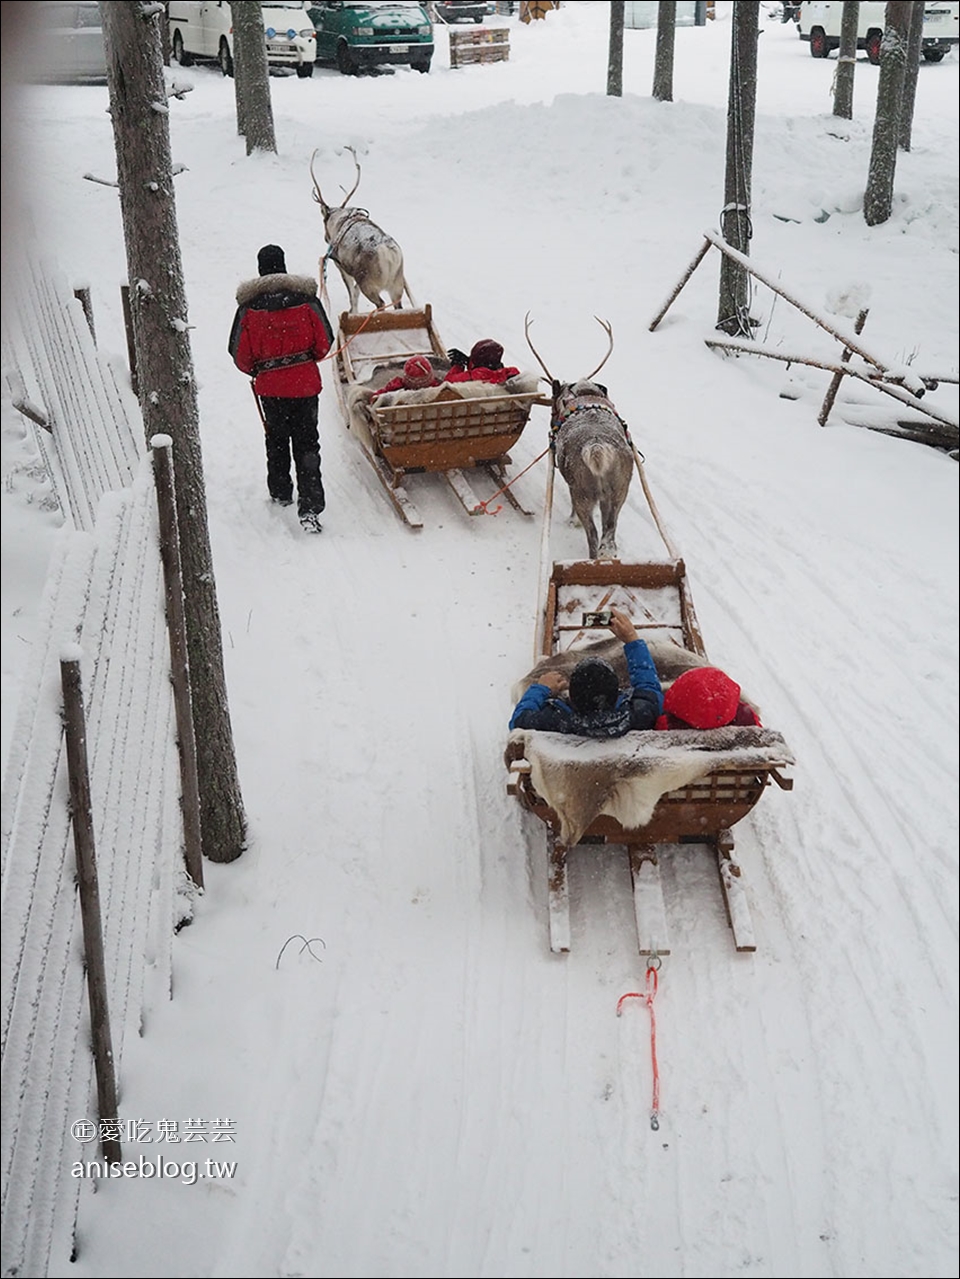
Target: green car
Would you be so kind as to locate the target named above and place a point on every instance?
(358, 34)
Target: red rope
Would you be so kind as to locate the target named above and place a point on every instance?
(648, 997)
(482, 506)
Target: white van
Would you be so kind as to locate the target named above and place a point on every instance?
(204, 32)
(820, 24)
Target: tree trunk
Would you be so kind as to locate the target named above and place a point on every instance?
(168, 395)
(878, 197)
(908, 100)
(847, 60)
(734, 309)
(615, 56)
(663, 60)
(252, 77)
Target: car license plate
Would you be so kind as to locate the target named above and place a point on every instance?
(398, 48)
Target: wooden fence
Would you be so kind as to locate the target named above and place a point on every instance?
(105, 593)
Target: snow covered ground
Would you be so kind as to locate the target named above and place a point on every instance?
(440, 1095)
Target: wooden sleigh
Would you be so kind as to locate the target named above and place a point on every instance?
(656, 596)
(448, 435)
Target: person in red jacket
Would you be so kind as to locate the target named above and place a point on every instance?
(483, 364)
(417, 375)
(705, 698)
(279, 333)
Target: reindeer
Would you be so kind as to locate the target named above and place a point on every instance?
(592, 449)
(369, 260)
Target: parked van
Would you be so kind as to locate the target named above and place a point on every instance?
(204, 33)
(357, 35)
(820, 24)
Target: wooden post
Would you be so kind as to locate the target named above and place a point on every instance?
(162, 446)
(83, 297)
(81, 812)
(131, 344)
(837, 378)
(704, 249)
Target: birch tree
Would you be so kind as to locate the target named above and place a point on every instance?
(167, 386)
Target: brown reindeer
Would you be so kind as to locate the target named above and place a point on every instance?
(369, 260)
(593, 452)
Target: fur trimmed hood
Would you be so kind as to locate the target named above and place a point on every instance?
(265, 285)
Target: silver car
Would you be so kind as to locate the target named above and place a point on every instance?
(64, 44)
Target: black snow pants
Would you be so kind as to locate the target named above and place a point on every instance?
(291, 428)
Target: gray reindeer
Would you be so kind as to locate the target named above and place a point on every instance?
(369, 260)
(593, 451)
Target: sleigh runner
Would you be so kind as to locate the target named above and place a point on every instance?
(447, 430)
(647, 791)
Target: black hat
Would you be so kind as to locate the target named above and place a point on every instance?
(594, 686)
(270, 260)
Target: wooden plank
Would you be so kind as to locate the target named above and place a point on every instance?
(648, 907)
(735, 895)
(618, 572)
(465, 494)
(395, 490)
(498, 473)
(558, 896)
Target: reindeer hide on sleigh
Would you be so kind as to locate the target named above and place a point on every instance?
(582, 778)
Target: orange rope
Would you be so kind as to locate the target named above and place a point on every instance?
(648, 997)
(482, 506)
(336, 350)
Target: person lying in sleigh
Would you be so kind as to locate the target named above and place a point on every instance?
(592, 704)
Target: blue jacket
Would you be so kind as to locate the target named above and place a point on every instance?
(637, 709)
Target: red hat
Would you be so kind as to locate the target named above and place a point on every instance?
(418, 372)
(703, 698)
(486, 354)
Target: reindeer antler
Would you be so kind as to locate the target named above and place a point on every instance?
(609, 328)
(357, 183)
(317, 194)
(526, 332)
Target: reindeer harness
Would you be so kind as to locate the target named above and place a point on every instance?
(581, 404)
(356, 215)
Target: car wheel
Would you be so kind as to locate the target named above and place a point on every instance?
(423, 66)
(179, 55)
(225, 58)
(305, 70)
(345, 63)
(478, 17)
(872, 46)
(818, 42)
(933, 55)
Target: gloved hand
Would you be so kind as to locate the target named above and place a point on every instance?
(458, 358)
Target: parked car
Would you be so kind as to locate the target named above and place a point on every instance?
(204, 33)
(458, 11)
(65, 45)
(360, 34)
(820, 24)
